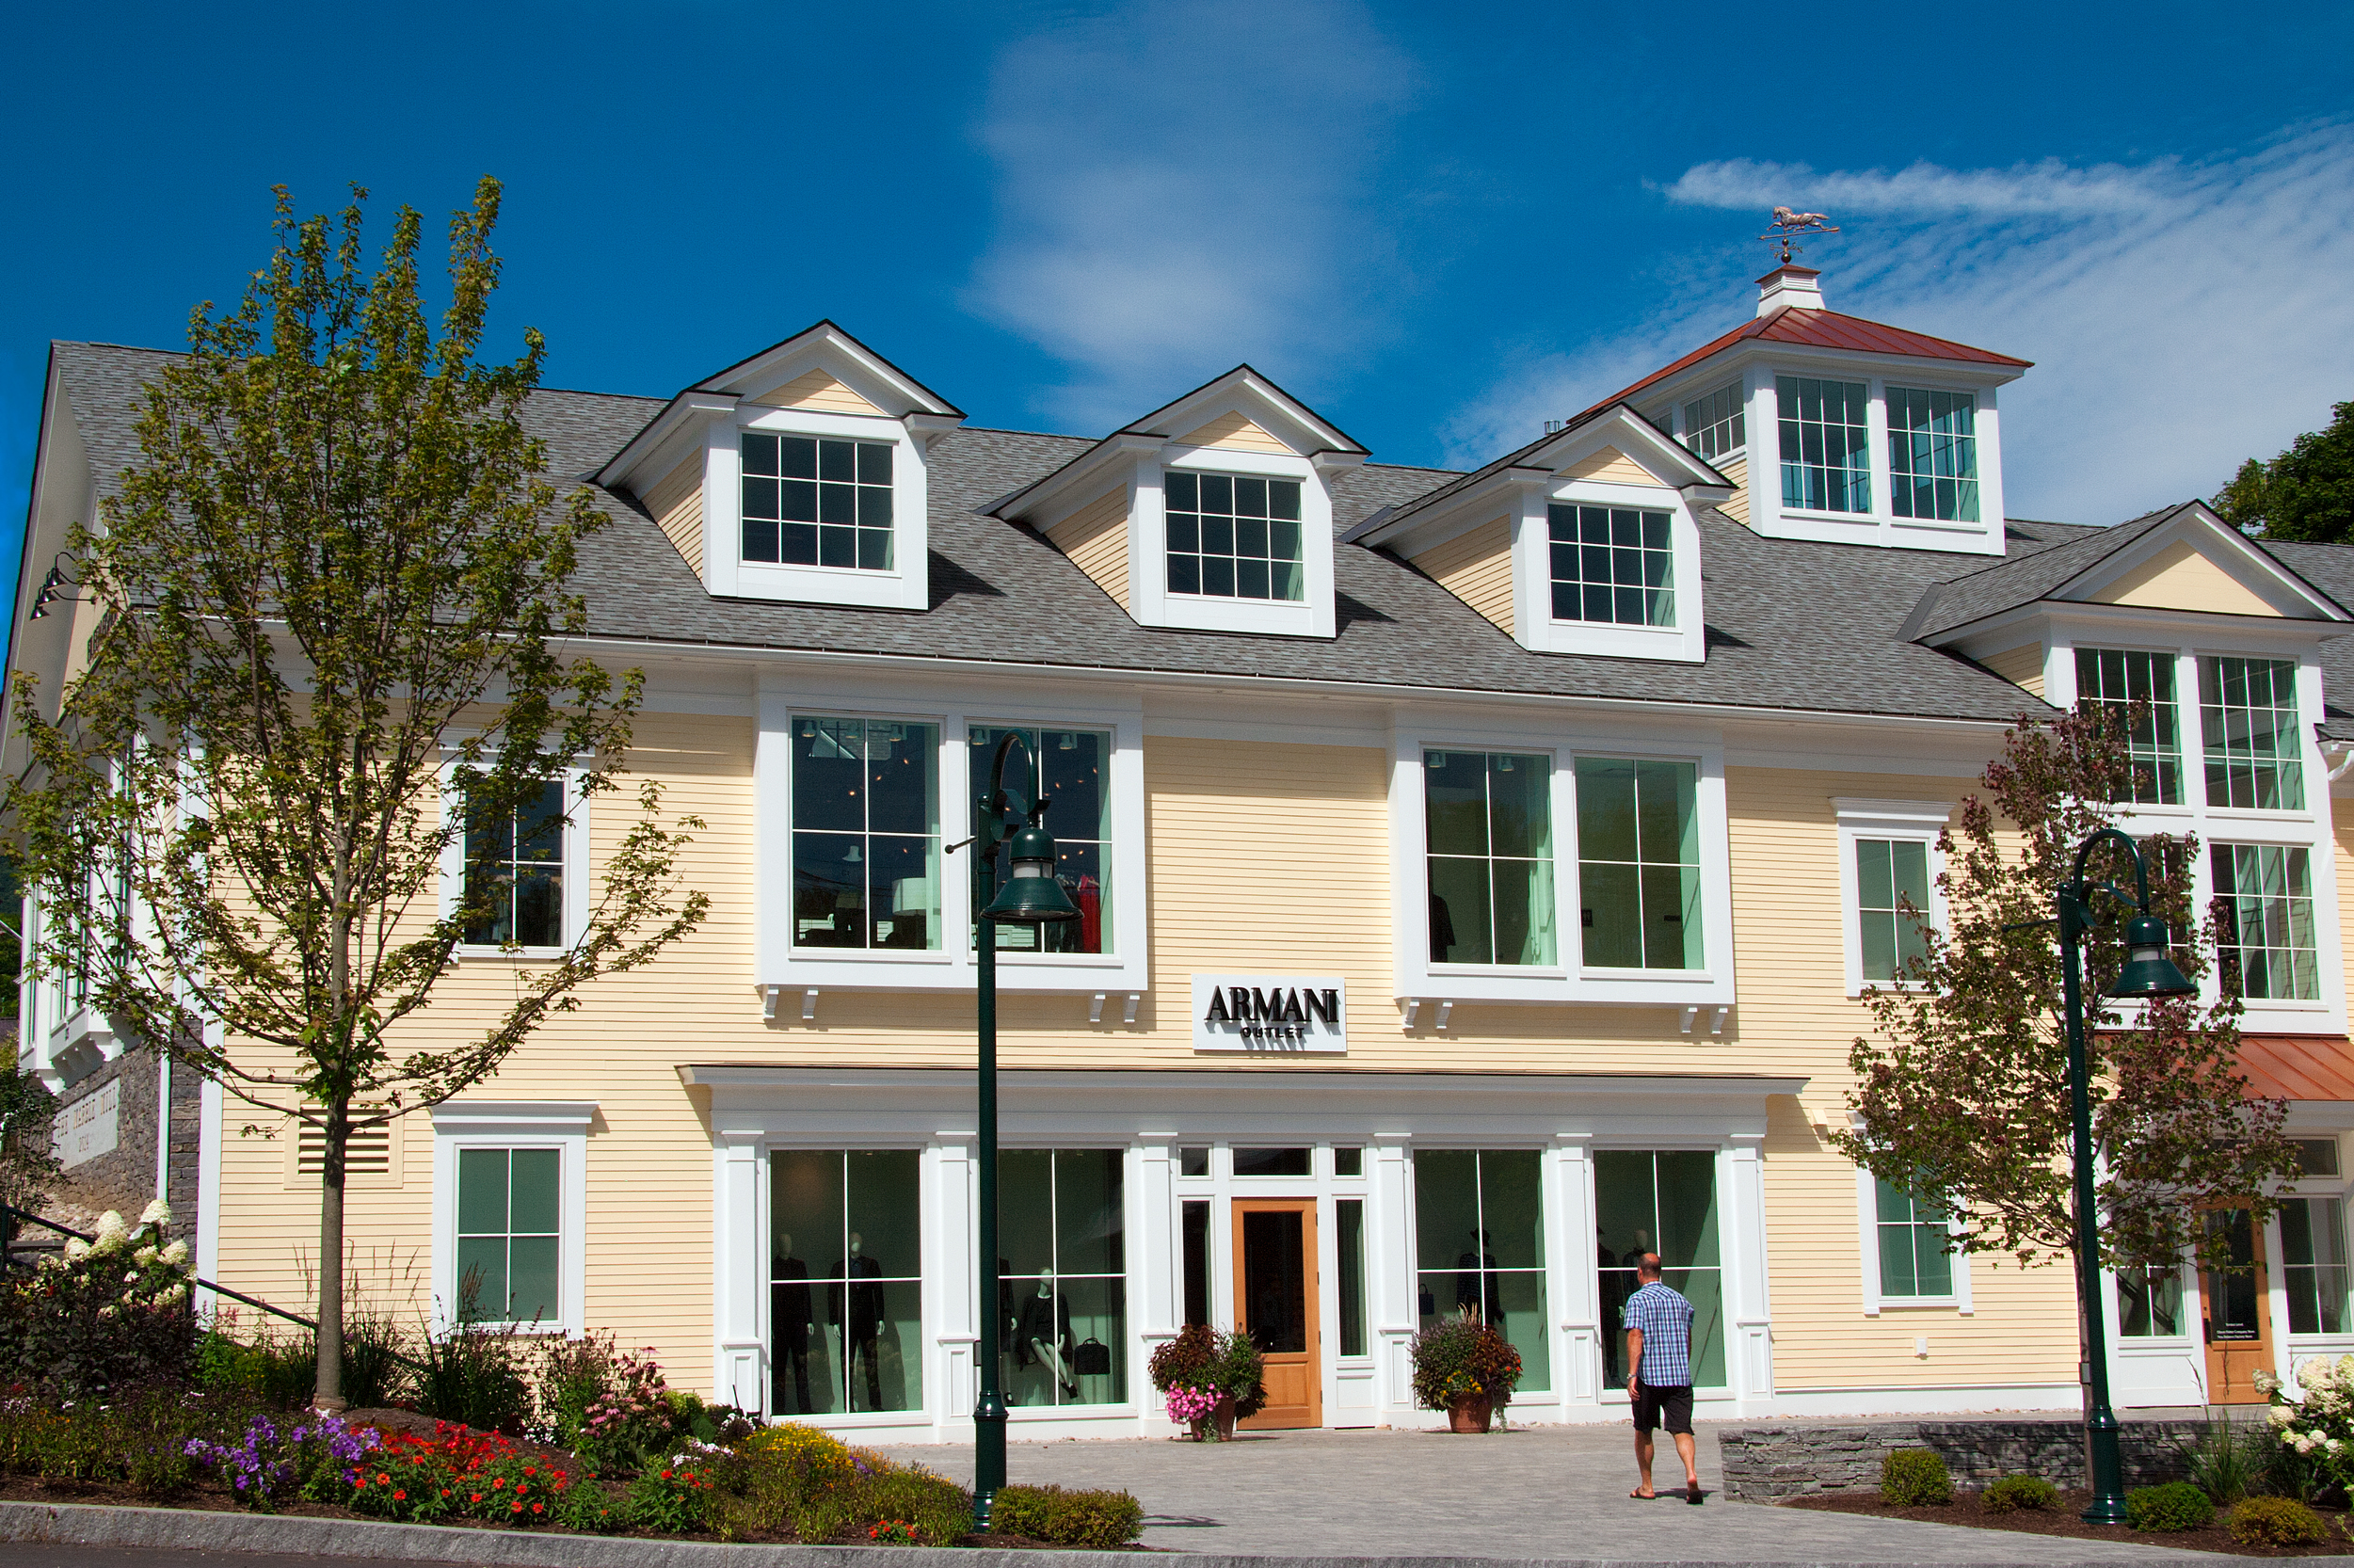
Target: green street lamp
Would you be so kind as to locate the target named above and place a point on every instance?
(2148, 973)
(1031, 896)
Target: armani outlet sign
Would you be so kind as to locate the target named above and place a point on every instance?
(1270, 1013)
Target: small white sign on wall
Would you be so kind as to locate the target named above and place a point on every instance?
(89, 1126)
(1273, 1014)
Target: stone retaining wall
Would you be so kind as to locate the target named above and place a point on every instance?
(1767, 1463)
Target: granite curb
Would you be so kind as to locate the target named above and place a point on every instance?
(100, 1525)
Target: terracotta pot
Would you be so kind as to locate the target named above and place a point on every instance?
(1218, 1426)
(1469, 1413)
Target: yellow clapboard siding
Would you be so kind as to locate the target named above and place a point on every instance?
(815, 389)
(1611, 465)
(1736, 469)
(1237, 433)
(1477, 567)
(2181, 577)
(1096, 539)
(2022, 667)
(677, 502)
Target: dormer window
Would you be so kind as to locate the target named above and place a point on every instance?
(1933, 454)
(1234, 536)
(1717, 424)
(1612, 565)
(1826, 444)
(817, 503)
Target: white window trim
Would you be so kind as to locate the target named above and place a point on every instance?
(1569, 979)
(576, 869)
(1903, 820)
(1875, 1301)
(952, 966)
(1687, 641)
(1311, 615)
(1881, 526)
(559, 1125)
(726, 574)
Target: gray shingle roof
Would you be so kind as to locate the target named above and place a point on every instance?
(2021, 580)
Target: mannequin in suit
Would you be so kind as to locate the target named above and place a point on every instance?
(859, 1308)
(1475, 1289)
(791, 1314)
(1045, 1333)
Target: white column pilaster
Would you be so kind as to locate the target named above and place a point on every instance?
(1749, 1304)
(739, 1273)
(1569, 1199)
(955, 1286)
(1389, 1274)
(1156, 1271)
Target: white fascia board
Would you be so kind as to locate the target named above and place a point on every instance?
(1230, 392)
(683, 415)
(2068, 621)
(1887, 367)
(828, 347)
(502, 1118)
(2238, 556)
(1049, 501)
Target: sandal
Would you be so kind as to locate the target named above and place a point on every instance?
(1642, 1496)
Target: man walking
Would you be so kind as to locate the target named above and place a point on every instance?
(1660, 1374)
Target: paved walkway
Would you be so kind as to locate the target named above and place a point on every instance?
(1531, 1492)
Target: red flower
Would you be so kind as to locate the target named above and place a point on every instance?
(474, 1498)
(537, 1506)
(400, 1496)
(665, 1475)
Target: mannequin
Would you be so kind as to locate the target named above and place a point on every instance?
(857, 1307)
(1475, 1289)
(1045, 1334)
(791, 1313)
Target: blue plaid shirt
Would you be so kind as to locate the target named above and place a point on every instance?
(1666, 1320)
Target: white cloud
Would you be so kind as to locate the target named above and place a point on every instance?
(1170, 204)
(2182, 315)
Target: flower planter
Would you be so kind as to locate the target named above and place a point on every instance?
(1218, 1426)
(1470, 1412)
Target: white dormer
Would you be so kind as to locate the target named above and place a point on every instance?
(1214, 513)
(801, 473)
(1585, 542)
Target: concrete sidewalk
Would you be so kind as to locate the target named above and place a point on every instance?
(1531, 1492)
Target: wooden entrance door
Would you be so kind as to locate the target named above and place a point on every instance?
(1275, 1302)
(2235, 1304)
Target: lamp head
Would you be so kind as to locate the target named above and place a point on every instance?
(2149, 972)
(1031, 896)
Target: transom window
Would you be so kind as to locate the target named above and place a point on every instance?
(515, 873)
(1933, 454)
(1911, 1235)
(1639, 864)
(1891, 878)
(2255, 748)
(1717, 423)
(1074, 767)
(2116, 680)
(1234, 536)
(1489, 817)
(811, 501)
(2265, 909)
(1826, 462)
(1612, 564)
(866, 833)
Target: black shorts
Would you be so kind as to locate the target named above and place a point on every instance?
(1671, 1406)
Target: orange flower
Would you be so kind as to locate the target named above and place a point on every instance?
(537, 1506)
(400, 1496)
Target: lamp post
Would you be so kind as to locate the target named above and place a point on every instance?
(1031, 897)
(2148, 973)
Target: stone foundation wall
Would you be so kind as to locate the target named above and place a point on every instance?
(1767, 1463)
(114, 1153)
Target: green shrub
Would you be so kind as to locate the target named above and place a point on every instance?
(2277, 1522)
(2176, 1506)
(470, 1376)
(940, 1511)
(1102, 1520)
(2017, 1492)
(1913, 1478)
(2223, 1461)
(281, 1372)
(670, 1501)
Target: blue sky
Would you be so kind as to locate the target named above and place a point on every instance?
(1438, 225)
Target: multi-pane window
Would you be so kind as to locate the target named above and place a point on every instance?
(1479, 1220)
(515, 873)
(1234, 536)
(811, 501)
(866, 833)
(1891, 904)
(2265, 918)
(2314, 1264)
(1912, 1234)
(2149, 1303)
(1639, 864)
(1933, 455)
(1614, 565)
(845, 1278)
(2255, 746)
(1659, 1201)
(1063, 1295)
(1074, 766)
(509, 1235)
(1489, 817)
(2136, 692)
(1826, 460)
(1716, 425)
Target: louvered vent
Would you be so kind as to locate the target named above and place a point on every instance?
(369, 1152)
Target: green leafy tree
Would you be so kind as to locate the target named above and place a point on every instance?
(1963, 1094)
(2306, 493)
(329, 597)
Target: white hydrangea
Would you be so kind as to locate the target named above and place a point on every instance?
(177, 1254)
(76, 1250)
(2280, 1415)
(157, 1212)
(144, 1255)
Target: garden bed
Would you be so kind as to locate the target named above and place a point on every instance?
(2060, 1519)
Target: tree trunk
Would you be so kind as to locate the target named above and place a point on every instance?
(329, 1392)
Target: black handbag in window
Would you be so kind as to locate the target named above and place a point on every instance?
(1090, 1358)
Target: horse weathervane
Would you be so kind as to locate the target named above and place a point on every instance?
(1787, 226)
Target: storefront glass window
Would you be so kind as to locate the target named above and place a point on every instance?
(2312, 1254)
(1195, 1240)
(1489, 819)
(1076, 767)
(1350, 1215)
(845, 1281)
(2150, 1303)
(1662, 1201)
(1062, 1278)
(1479, 1225)
(866, 833)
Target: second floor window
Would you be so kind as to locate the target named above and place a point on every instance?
(1639, 864)
(515, 873)
(2119, 681)
(2255, 743)
(2265, 898)
(1073, 767)
(1826, 462)
(1489, 817)
(1933, 455)
(1891, 875)
(1614, 565)
(1912, 1234)
(814, 502)
(1233, 537)
(866, 833)
(1716, 425)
